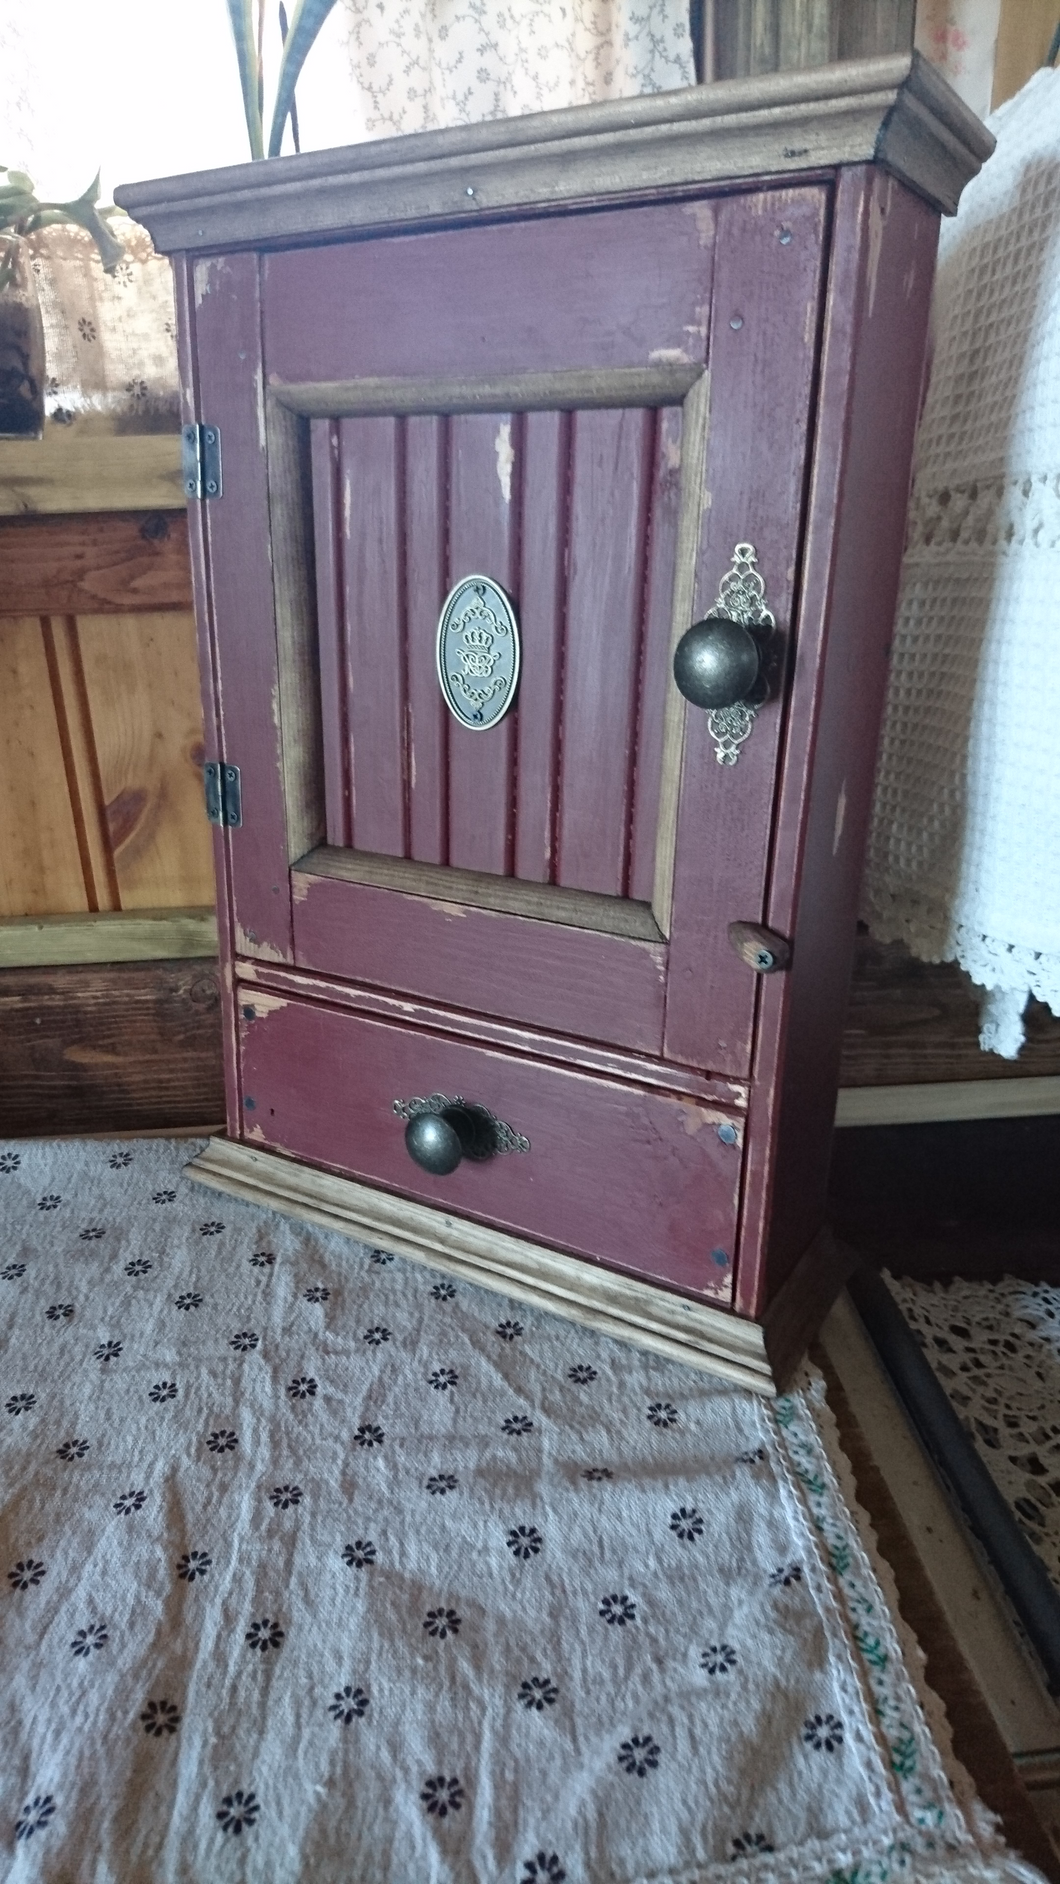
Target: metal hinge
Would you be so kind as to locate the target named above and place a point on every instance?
(200, 460)
(224, 798)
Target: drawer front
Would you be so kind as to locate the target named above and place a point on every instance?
(638, 1180)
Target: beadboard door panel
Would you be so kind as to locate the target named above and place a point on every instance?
(635, 1179)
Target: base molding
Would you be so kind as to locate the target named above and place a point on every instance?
(697, 1333)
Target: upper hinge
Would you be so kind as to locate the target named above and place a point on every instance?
(224, 798)
(200, 460)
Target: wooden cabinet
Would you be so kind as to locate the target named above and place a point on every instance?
(575, 382)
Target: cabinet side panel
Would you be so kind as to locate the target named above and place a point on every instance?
(879, 297)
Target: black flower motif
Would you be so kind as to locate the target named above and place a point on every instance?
(620, 1609)
(193, 1564)
(163, 1197)
(223, 1440)
(34, 1816)
(639, 1754)
(538, 1692)
(442, 1622)
(191, 1300)
(210, 1229)
(92, 1234)
(524, 1541)
(348, 1705)
(243, 1342)
(380, 1256)
(544, 1866)
(60, 1311)
(441, 1483)
(517, 1423)
(94, 1637)
(686, 1523)
(26, 1574)
(265, 1634)
(317, 1294)
(49, 1201)
(718, 1658)
(130, 1501)
(596, 1474)
(160, 1718)
(359, 1554)
(443, 1292)
(12, 1272)
(72, 1449)
(785, 1576)
(283, 1496)
(661, 1413)
(376, 1336)
(303, 1387)
(509, 1330)
(369, 1436)
(118, 1160)
(823, 1731)
(21, 1403)
(262, 1259)
(236, 1810)
(9, 1161)
(108, 1351)
(754, 1457)
(442, 1796)
(581, 1375)
(748, 1844)
(163, 1390)
(138, 1268)
(443, 1378)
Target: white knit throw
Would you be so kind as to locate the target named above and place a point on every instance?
(964, 856)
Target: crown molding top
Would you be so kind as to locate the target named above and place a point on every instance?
(896, 111)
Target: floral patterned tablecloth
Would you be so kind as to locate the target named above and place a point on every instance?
(316, 1565)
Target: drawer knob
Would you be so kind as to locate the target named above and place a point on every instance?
(716, 662)
(441, 1132)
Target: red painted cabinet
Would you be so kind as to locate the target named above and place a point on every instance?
(502, 412)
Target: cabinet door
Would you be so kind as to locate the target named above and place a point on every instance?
(590, 411)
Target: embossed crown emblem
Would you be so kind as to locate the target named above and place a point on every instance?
(478, 637)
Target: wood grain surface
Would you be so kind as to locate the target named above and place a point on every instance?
(40, 853)
(96, 563)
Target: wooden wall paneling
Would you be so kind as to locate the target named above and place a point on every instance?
(124, 1048)
(1025, 34)
(73, 712)
(86, 466)
(612, 461)
(766, 298)
(655, 679)
(95, 563)
(753, 36)
(542, 620)
(141, 690)
(328, 552)
(231, 394)
(372, 479)
(485, 482)
(151, 935)
(40, 848)
(870, 27)
(426, 459)
(877, 311)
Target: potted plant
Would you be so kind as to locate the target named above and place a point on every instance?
(21, 328)
(248, 18)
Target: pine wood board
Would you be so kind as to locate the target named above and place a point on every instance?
(113, 936)
(95, 562)
(77, 468)
(40, 854)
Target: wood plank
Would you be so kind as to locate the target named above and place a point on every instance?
(130, 1047)
(612, 456)
(929, 1102)
(141, 686)
(484, 504)
(84, 780)
(329, 583)
(40, 857)
(95, 563)
(426, 498)
(1024, 35)
(897, 111)
(77, 468)
(372, 475)
(576, 389)
(542, 620)
(109, 936)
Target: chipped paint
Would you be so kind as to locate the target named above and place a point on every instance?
(259, 397)
(879, 209)
(246, 944)
(669, 356)
(300, 887)
(452, 909)
(502, 445)
(347, 503)
(264, 1003)
(840, 816)
(702, 215)
(693, 1116)
(254, 1131)
(672, 453)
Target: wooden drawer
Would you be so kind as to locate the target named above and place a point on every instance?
(638, 1179)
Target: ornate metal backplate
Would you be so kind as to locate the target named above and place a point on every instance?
(742, 597)
(478, 653)
(504, 1137)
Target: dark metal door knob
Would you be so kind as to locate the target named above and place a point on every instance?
(437, 1141)
(717, 662)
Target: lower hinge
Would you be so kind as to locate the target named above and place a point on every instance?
(200, 460)
(224, 798)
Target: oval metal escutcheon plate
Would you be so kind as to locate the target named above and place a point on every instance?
(478, 653)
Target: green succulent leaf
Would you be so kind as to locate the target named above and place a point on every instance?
(241, 18)
(83, 211)
(307, 20)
